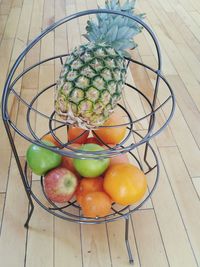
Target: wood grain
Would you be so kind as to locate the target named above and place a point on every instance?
(12, 226)
(40, 236)
(2, 200)
(188, 203)
(165, 231)
(149, 242)
(95, 245)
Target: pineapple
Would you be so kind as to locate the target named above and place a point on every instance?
(91, 81)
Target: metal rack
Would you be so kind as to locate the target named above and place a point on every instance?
(132, 143)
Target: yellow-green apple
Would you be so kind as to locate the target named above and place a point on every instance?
(91, 167)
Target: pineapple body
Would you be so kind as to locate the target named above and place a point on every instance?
(90, 84)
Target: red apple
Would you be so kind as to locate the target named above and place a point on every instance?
(60, 185)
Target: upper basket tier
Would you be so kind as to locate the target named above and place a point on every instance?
(147, 103)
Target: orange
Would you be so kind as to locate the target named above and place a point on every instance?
(125, 183)
(75, 132)
(96, 204)
(113, 135)
(88, 185)
(67, 162)
(49, 137)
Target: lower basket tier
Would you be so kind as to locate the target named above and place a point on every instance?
(144, 157)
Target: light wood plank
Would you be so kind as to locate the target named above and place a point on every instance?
(61, 40)
(175, 56)
(5, 159)
(2, 200)
(36, 20)
(170, 223)
(143, 46)
(30, 79)
(149, 242)
(176, 36)
(5, 145)
(3, 20)
(116, 235)
(187, 35)
(16, 208)
(67, 243)
(188, 5)
(47, 43)
(91, 4)
(167, 67)
(12, 22)
(188, 21)
(73, 32)
(186, 143)
(186, 105)
(196, 5)
(17, 3)
(196, 182)
(5, 55)
(21, 39)
(82, 6)
(196, 16)
(185, 194)
(40, 237)
(5, 8)
(24, 24)
(95, 246)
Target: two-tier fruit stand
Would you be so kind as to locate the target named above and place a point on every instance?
(133, 143)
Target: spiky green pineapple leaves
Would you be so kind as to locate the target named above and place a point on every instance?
(115, 30)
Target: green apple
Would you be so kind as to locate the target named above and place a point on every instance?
(91, 167)
(40, 160)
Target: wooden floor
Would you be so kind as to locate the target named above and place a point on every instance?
(166, 231)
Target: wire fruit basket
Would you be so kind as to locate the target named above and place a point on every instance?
(135, 143)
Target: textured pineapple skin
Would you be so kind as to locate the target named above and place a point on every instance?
(90, 85)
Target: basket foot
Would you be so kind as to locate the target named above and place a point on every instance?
(26, 225)
(131, 261)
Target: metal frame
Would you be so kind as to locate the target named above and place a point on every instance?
(61, 211)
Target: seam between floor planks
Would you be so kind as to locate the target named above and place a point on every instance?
(88, 3)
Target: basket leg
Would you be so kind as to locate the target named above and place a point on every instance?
(131, 261)
(145, 155)
(26, 187)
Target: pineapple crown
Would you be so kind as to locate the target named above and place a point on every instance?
(115, 30)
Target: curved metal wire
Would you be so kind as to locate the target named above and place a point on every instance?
(97, 154)
(118, 213)
(110, 152)
(55, 25)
